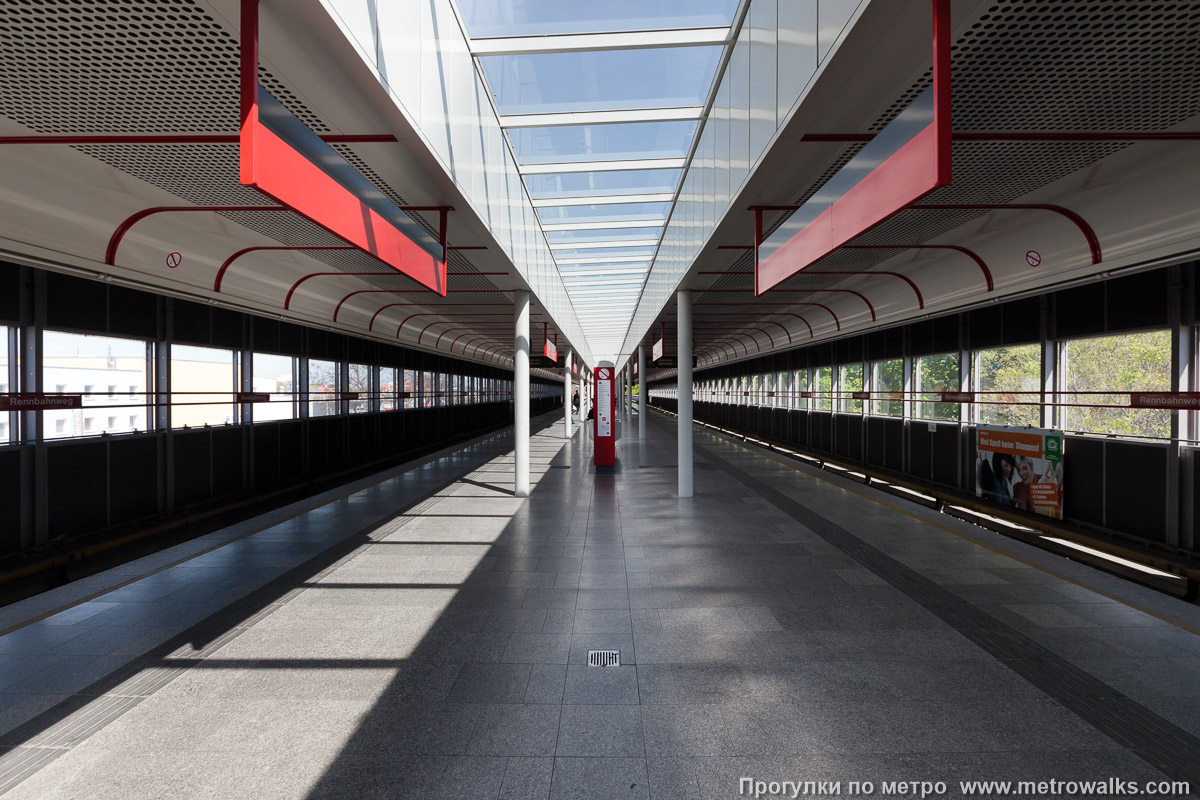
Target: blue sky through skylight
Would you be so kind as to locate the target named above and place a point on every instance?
(489, 18)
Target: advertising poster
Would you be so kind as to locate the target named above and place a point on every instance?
(1021, 468)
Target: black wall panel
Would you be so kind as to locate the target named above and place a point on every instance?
(192, 323)
(1021, 321)
(920, 450)
(854, 441)
(10, 500)
(849, 350)
(76, 303)
(1083, 479)
(822, 431)
(266, 454)
(291, 339)
(1135, 489)
(133, 478)
(228, 329)
(1075, 311)
(265, 333)
(987, 327)
(132, 313)
(227, 459)
(841, 436)
(894, 444)
(77, 487)
(193, 467)
(10, 293)
(876, 442)
(944, 455)
(1137, 301)
(291, 450)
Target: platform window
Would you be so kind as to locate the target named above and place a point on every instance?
(823, 389)
(389, 385)
(428, 390)
(756, 390)
(1008, 385)
(80, 363)
(203, 382)
(799, 387)
(276, 376)
(409, 387)
(359, 382)
(850, 380)
(324, 380)
(934, 375)
(887, 388)
(443, 389)
(5, 382)
(1113, 366)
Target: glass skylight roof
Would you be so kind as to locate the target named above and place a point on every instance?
(601, 103)
(607, 212)
(599, 184)
(608, 80)
(559, 239)
(488, 18)
(629, 141)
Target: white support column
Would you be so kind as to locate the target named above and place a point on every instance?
(567, 395)
(629, 388)
(641, 391)
(619, 388)
(684, 356)
(521, 395)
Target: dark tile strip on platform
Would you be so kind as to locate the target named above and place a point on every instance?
(29, 747)
(1155, 740)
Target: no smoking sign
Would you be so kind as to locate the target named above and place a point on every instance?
(1033, 258)
(174, 260)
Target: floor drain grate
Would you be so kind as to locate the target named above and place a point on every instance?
(604, 658)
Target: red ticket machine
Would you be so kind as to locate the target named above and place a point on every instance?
(604, 429)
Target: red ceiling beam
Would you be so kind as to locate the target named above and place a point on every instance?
(178, 138)
(110, 254)
(1084, 228)
(288, 302)
(836, 322)
(905, 278)
(757, 317)
(1026, 136)
(860, 296)
(983, 267)
(812, 138)
(457, 305)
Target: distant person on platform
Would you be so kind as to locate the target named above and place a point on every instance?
(575, 402)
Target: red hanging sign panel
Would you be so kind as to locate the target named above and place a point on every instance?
(905, 161)
(285, 160)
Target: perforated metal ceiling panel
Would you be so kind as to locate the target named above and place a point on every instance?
(171, 67)
(1018, 66)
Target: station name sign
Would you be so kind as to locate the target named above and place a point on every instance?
(38, 401)
(958, 397)
(1184, 400)
(550, 350)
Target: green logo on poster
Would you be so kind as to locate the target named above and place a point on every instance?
(1053, 448)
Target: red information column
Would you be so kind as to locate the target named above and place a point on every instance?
(604, 432)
